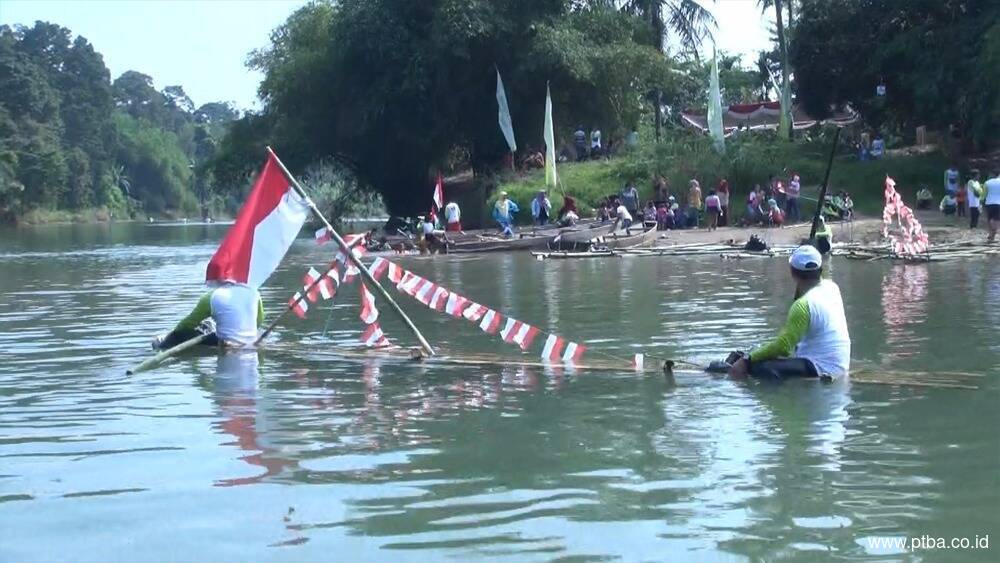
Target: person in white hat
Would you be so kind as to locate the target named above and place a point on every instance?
(814, 340)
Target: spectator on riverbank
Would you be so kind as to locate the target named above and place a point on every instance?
(649, 215)
(878, 147)
(580, 143)
(924, 198)
(974, 191)
(664, 218)
(775, 216)
(630, 198)
(622, 215)
(848, 207)
(595, 143)
(961, 198)
(792, 201)
(951, 180)
(694, 194)
(754, 211)
(713, 208)
(541, 208)
(991, 197)
(948, 205)
(723, 193)
(661, 189)
(503, 213)
(452, 217)
(568, 214)
(603, 211)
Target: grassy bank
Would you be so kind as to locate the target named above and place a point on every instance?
(744, 164)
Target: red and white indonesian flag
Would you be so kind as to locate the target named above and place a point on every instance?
(456, 305)
(553, 348)
(373, 337)
(475, 312)
(265, 227)
(439, 192)
(379, 267)
(519, 333)
(369, 314)
(317, 286)
(298, 305)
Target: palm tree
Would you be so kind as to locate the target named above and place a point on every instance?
(785, 124)
(121, 180)
(687, 19)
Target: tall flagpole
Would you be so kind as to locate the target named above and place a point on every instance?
(367, 275)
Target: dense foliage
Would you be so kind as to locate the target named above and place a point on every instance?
(70, 139)
(939, 61)
(391, 88)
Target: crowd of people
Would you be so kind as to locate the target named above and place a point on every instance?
(968, 200)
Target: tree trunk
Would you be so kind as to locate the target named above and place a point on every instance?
(785, 124)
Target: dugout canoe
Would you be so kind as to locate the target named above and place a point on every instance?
(626, 239)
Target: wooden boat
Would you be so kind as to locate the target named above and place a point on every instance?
(625, 239)
(499, 244)
(579, 238)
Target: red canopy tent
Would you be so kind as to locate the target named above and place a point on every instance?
(763, 115)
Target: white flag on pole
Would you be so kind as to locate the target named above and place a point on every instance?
(504, 115)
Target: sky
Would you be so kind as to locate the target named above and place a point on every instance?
(203, 45)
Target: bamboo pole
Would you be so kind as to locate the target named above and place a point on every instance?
(823, 188)
(161, 357)
(365, 273)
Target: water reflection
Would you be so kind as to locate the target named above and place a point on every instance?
(904, 308)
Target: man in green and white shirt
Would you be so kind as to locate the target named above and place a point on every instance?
(236, 309)
(814, 340)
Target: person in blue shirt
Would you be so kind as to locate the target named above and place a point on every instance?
(503, 213)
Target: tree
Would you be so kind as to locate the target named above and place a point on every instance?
(937, 59)
(688, 19)
(389, 88)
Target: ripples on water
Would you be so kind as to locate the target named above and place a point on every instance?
(299, 454)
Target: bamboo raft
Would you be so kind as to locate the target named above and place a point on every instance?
(864, 374)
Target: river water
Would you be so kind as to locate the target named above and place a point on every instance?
(299, 455)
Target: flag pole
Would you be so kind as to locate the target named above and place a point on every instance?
(365, 273)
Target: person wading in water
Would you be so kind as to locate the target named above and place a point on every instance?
(236, 309)
(814, 340)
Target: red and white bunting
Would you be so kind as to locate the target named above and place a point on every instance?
(328, 285)
(378, 267)
(350, 272)
(474, 312)
(525, 335)
(373, 337)
(491, 321)
(573, 353)
(312, 291)
(395, 272)
(409, 283)
(638, 362)
(456, 305)
(438, 298)
(298, 305)
(424, 291)
(323, 235)
(553, 348)
(509, 330)
(369, 313)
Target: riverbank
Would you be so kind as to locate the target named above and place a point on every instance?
(743, 166)
(865, 230)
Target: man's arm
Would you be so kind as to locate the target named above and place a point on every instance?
(260, 311)
(783, 346)
(201, 311)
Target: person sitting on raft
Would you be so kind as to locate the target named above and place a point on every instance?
(503, 213)
(924, 198)
(649, 215)
(237, 311)
(815, 340)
